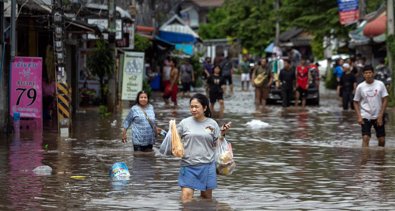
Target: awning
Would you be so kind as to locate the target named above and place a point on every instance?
(75, 26)
(124, 15)
(175, 30)
(145, 29)
(377, 26)
(37, 5)
(271, 48)
(163, 42)
(175, 37)
(357, 37)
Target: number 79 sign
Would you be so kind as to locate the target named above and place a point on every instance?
(26, 87)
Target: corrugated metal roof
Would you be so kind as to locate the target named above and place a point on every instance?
(208, 3)
(176, 24)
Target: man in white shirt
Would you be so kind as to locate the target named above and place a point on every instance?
(370, 102)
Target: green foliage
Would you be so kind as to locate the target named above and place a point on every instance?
(147, 87)
(330, 80)
(319, 17)
(391, 45)
(103, 111)
(141, 43)
(251, 21)
(101, 64)
(197, 69)
(317, 48)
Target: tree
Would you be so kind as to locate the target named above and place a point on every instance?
(250, 21)
(101, 64)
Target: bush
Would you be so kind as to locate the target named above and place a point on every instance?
(330, 80)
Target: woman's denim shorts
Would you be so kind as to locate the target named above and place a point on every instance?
(198, 177)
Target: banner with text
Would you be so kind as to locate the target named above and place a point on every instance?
(133, 73)
(348, 11)
(26, 87)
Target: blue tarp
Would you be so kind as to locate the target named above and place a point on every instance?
(186, 48)
(164, 41)
(175, 37)
(269, 48)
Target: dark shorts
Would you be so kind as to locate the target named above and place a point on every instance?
(214, 96)
(199, 177)
(138, 148)
(227, 79)
(302, 92)
(367, 126)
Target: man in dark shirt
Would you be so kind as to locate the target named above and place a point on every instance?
(216, 85)
(348, 83)
(287, 79)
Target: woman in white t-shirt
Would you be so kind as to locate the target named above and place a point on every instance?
(370, 102)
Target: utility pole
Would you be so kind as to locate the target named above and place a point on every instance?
(390, 34)
(111, 100)
(362, 9)
(63, 96)
(2, 90)
(277, 38)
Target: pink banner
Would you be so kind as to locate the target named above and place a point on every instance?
(26, 87)
(349, 17)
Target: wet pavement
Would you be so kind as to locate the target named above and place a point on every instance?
(307, 159)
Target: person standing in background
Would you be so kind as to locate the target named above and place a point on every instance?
(187, 78)
(302, 83)
(287, 80)
(141, 118)
(208, 70)
(216, 86)
(348, 83)
(245, 73)
(262, 87)
(227, 74)
(383, 74)
(171, 89)
(338, 73)
(276, 64)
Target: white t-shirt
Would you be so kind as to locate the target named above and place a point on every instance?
(370, 98)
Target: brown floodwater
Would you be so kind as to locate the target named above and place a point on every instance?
(301, 160)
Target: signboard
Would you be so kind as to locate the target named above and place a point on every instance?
(26, 87)
(7, 9)
(348, 11)
(133, 73)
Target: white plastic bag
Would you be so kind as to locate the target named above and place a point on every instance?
(165, 147)
(224, 158)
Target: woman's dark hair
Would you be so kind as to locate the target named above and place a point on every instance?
(204, 101)
(137, 101)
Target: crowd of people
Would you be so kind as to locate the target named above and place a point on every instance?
(360, 87)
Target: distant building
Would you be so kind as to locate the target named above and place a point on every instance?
(194, 12)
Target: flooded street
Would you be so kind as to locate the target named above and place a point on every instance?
(303, 160)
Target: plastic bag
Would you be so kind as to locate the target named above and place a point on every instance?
(224, 158)
(177, 146)
(165, 147)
